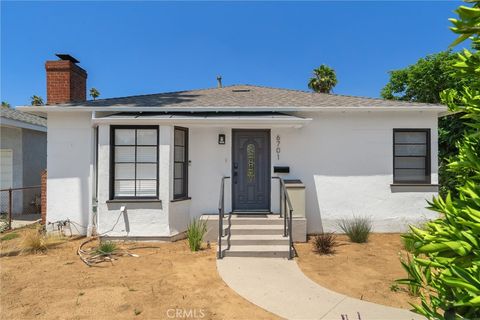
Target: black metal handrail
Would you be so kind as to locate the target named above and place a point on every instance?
(221, 215)
(287, 218)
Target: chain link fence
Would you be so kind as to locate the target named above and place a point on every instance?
(17, 203)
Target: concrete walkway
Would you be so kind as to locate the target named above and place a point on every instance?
(279, 286)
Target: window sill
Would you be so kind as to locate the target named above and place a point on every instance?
(134, 200)
(414, 187)
(181, 199)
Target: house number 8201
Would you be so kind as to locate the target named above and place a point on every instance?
(277, 150)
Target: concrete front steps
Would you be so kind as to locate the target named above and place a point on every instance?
(255, 236)
(256, 239)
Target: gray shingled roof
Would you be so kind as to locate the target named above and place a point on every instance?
(247, 96)
(21, 116)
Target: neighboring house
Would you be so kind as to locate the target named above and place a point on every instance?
(23, 150)
(163, 156)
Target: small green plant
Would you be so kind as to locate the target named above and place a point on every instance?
(394, 287)
(107, 248)
(195, 232)
(10, 236)
(325, 243)
(357, 228)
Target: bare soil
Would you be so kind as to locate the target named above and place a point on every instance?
(363, 271)
(167, 281)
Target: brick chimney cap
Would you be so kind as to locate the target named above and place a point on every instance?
(64, 56)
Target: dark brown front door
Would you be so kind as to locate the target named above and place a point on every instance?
(251, 170)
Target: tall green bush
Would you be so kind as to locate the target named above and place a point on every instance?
(446, 260)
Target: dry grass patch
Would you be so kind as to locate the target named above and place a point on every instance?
(165, 276)
(29, 240)
(364, 271)
(36, 240)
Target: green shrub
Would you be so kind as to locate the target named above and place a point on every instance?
(446, 262)
(357, 228)
(195, 232)
(324, 243)
(107, 248)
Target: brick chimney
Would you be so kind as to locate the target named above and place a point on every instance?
(66, 82)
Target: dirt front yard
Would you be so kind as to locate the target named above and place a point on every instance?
(166, 281)
(363, 271)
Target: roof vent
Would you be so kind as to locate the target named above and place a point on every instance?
(240, 90)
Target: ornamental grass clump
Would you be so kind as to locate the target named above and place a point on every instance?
(357, 228)
(446, 262)
(195, 232)
(106, 248)
(325, 243)
(35, 240)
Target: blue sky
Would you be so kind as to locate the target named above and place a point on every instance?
(133, 48)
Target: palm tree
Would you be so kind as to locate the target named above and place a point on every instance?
(94, 93)
(6, 104)
(323, 80)
(36, 100)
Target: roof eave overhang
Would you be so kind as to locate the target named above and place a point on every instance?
(21, 124)
(251, 122)
(59, 108)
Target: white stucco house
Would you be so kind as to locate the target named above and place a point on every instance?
(163, 156)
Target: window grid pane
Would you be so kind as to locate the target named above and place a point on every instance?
(147, 154)
(124, 137)
(135, 163)
(124, 154)
(411, 137)
(411, 150)
(146, 137)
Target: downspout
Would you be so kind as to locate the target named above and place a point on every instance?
(93, 212)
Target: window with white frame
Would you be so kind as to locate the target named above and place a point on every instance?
(411, 156)
(134, 165)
